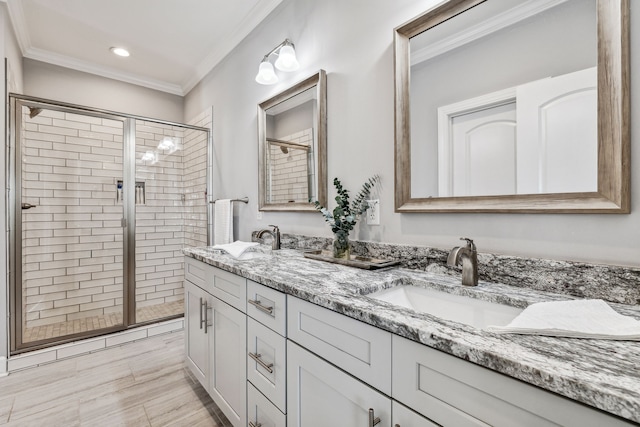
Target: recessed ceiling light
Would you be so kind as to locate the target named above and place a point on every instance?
(120, 51)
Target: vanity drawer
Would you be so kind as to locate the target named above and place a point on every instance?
(264, 345)
(360, 349)
(197, 272)
(261, 412)
(228, 287)
(267, 306)
(452, 391)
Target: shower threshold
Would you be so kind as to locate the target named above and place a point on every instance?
(92, 323)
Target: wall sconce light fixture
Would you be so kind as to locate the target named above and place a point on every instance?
(286, 62)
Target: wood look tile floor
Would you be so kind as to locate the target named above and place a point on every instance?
(144, 383)
(92, 323)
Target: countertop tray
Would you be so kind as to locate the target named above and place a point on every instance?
(355, 261)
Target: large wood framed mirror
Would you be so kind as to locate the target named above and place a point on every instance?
(513, 106)
(292, 138)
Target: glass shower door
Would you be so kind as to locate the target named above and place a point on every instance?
(170, 212)
(69, 215)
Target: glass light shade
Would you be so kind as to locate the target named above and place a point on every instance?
(266, 74)
(287, 59)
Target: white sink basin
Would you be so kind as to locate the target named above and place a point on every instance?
(470, 311)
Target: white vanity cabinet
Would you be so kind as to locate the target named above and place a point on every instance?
(215, 353)
(273, 360)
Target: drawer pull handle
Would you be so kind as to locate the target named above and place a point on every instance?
(259, 306)
(257, 424)
(373, 420)
(257, 358)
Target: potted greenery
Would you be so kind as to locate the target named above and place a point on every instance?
(345, 215)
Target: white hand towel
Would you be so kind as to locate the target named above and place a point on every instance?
(223, 222)
(236, 248)
(576, 319)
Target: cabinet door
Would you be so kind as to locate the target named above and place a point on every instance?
(319, 394)
(196, 340)
(405, 417)
(228, 378)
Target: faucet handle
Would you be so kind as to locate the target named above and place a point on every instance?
(470, 243)
(275, 227)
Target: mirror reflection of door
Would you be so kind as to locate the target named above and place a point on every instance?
(484, 152)
(558, 127)
(542, 140)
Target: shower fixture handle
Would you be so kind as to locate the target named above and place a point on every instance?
(28, 206)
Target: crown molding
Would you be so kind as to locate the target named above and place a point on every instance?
(257, 14)
(19, 24)
(89, 67)
(496, 23)
(251, 20)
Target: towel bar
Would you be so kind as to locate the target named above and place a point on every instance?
(243, 200)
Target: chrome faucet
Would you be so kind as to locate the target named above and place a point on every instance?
(275, 236)
(469, 257)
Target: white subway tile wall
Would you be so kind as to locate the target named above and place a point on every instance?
(290, 171)
(72, 240)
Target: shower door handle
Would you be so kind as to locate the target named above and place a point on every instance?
(28, 206)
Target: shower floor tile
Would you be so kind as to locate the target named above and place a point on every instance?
(60, 329)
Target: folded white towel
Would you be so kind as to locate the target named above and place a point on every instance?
(236, 248)
(223, 222)
(576, 319)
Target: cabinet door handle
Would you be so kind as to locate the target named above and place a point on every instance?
(257, 358)
(373, 420)
(201, 313)
(257, 424)
(206, 316)
(259, 306)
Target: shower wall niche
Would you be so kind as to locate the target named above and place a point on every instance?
(103, 205)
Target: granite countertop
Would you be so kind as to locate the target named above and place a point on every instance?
(600, 373)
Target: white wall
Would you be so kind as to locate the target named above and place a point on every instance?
(352, 40)
(75, 87)
(8, 49)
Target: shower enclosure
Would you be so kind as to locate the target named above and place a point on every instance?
(101, 205)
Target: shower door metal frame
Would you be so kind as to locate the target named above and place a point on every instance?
(14, 180)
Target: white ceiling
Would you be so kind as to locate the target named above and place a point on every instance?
(173, 43)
